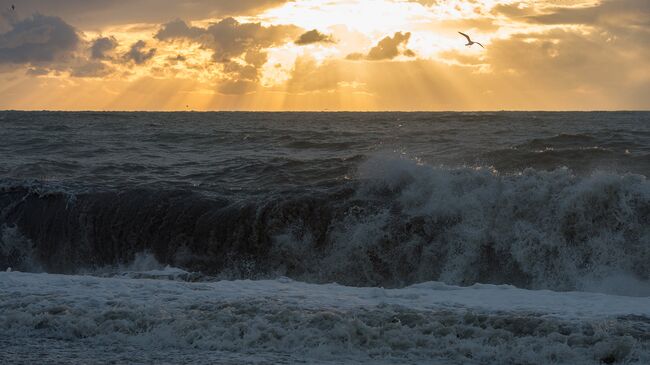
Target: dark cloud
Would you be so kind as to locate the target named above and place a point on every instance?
(138, 54)
(38, 39)
(101, 47)
(49, 46)
(99, 13)
(256, 57)
(178, 29)
(242, 78)
(241, 71)
(623, 26)
(313, 36)
(387, 48)
(228, 38)
(7, 18)
(609, 14)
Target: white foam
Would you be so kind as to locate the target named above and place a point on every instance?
(143, 266)
(536, 229)
(315, 323)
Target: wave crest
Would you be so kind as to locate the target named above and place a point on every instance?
(400, 222)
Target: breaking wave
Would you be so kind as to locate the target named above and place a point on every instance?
(81, 319)
(397, 223)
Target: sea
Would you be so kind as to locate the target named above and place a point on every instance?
(324, 238)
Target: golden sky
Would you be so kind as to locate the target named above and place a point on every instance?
(324, 55)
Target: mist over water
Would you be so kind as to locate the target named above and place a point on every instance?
(175, 203)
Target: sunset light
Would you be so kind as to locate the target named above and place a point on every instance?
(362, 55)
(354, 182)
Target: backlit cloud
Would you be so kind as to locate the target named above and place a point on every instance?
(101, 13)
(38, 39)
(365, 54)
(313, 36)
(102, 47)
(241, 48)
(387, 48)
(138, 53)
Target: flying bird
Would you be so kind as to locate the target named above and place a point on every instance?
(13, 7)
(469, 41)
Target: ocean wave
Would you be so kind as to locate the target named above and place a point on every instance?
(562, 139)
(398, 222)
(310, 144)
(582, 153)
(580, 160)
(83, 319)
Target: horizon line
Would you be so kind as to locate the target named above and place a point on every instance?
(330, 111)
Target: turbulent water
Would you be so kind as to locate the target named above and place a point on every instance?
(536, 201)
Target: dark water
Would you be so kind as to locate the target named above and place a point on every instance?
(538, 200)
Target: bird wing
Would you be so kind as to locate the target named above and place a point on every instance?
(466, 36)
(479, 44)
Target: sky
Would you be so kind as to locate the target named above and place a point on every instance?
(275, 55)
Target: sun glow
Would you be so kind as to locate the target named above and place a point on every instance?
(337, 54)
(369, 17)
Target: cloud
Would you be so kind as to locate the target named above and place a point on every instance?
(228, 38)
(513, 10)
(408, 85)
(313, 36)
(37, 72)
(307, 75)
(91, 69)
(620, 27)
(619, 13)
(583, 53)
(101, 47)
(564, 58)
(38, 39)
(425, 2)
(178, 29)
(138, 54)
(387, 49)
(236, 87)
(241, 48)
(592, 70)
(242, 77)
(575, 57)
(100, 13)
(177, 58)
(554, 67)
(47, 45)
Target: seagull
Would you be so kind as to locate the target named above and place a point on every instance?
(469, 41)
